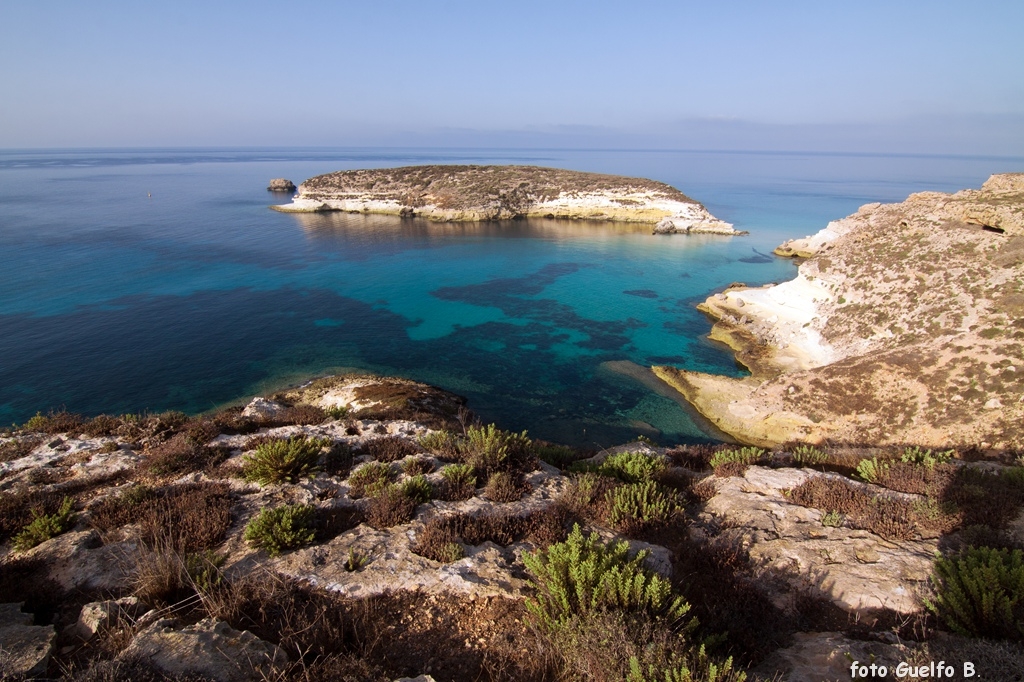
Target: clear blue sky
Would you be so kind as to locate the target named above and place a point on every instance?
(918, 76)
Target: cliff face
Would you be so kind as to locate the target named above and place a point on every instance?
(474, 193)
(904, 325)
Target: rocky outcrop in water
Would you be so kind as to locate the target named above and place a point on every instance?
(475, 193)
(281, 185)
(905, 324)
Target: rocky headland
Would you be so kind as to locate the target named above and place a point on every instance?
(476, 193)
(905, 324)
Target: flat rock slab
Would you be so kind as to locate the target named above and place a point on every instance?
(24, 648)
(210, 648)
(855, 569)
(826, 657)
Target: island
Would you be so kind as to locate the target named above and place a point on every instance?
(905, 324)
(476, 193)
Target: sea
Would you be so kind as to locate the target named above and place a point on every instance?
(144, 280)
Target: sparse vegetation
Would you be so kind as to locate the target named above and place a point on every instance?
(281, 528)
(45, 526)
(734, 462)
(283, 461)
(809, 456)
(367, 478)
(390, 448)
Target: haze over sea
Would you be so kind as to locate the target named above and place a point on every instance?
(112, 300)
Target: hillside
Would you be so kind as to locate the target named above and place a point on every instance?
(905, 324)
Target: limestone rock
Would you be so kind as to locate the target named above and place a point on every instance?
(79, 560)
(826, 657)
(24, 648)
(418, 678)
(855, 569)
(210, 648)
(96, 616)
(281, 185)
(261, 408)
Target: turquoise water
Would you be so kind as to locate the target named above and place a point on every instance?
(112, 300)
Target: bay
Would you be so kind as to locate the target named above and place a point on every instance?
(158, 279)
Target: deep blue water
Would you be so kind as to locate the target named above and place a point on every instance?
(115, 301)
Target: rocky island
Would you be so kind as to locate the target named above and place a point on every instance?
(476, 193)
(905, 324)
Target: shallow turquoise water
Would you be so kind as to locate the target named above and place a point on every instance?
(114, 301)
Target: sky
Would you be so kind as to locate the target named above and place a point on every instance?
(910, 76)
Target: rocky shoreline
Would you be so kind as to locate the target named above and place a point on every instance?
(905, 324)
(478, 193)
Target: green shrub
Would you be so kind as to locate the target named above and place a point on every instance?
(980, 593)
(503, 486)
(356, 561)
(283, 461)
(281, 528)
(638, 506)
(45, 526)
(872, 470)
(832, 519)
(632, 467)
(390, 506)
(726, 461)
(582, 574)
(367, 478)
(925, 458)
(459, 481)
(699, 668)
(418, 488)
(336, 412)
(555, 455)
(809, 456)
(417, 465)
(489, 449)
(444, 444)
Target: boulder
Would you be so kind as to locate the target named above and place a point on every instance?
(261, 408)
(210, 648)
(281, 185)
(24, 648)
(96, 616)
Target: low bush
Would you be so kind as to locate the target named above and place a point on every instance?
(368, 477)
(488, 449)
(16, 448)
(980, 593)
(283, 461)
(390, 448)
(873, 470)
(735, 462)
(303, 415)
(117, 510)
(438, 542)
(503, 486)
(444, 444)
(587, 495)
(282, 528)
(338, 459)
(53, 423)
(809, 456)
(181, 454)
(556, 455)
(418, 489)
(637, 507)
(583, 575)
(18, 509)
(164, 576)
(45, 526)
(459, 482)
(390, 506)
(632, 467)
(694, 457)
(188, 518)
(417, 465)
(926, 458)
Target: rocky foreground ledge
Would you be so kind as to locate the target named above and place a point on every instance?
(905, 324)
(476, 193)
(366, 528)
